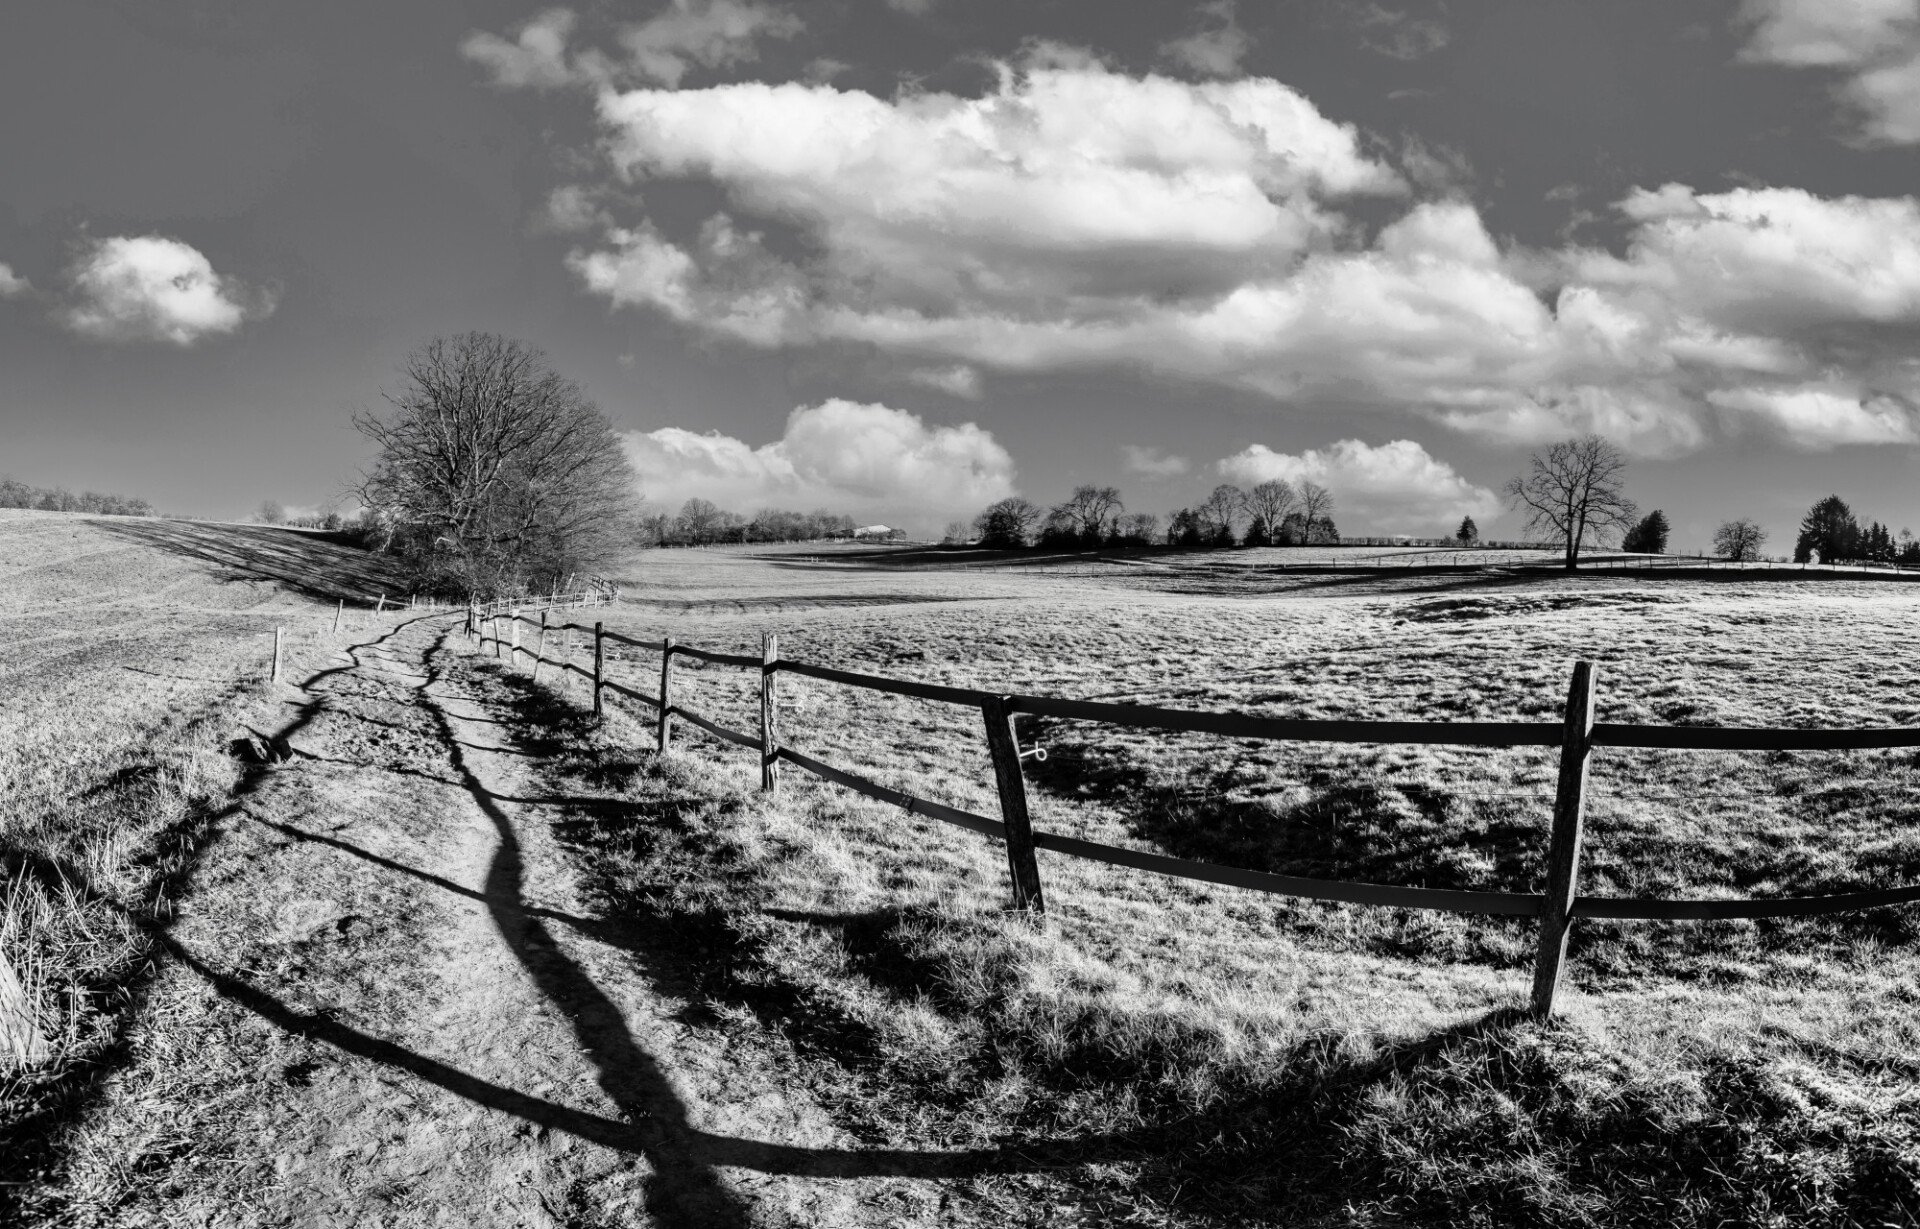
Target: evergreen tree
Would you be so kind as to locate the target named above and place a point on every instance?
(1649, 536)
(1829, 528)
(1468, 533)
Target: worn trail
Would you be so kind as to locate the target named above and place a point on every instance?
(388, 1004)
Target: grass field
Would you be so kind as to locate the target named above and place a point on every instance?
(129, 670)
(1161, 1052)
(1297, 1060)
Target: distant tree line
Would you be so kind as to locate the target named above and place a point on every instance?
(1274, 513)
(701, 523)
(59, 499)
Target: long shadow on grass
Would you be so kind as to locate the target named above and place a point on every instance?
(1351, 829)
(315, 564)
(31, 1145)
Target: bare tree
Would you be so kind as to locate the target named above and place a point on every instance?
(272, 512)
(1573, 492)
(495, 472)
(1739, 540)
(1269, 503)
(700, 520)
(1316, 503)
(1219, 512)
(1090, 509)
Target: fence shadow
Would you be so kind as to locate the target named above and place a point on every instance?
(319, 565)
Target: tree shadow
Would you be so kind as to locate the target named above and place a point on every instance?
(32, 1145)
(324, 566)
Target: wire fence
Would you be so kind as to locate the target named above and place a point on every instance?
(1576, 735)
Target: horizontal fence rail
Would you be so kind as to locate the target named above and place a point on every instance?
(1577, 735)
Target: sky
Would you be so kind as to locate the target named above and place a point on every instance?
(901, 258)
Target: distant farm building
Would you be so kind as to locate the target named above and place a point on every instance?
(875, 531)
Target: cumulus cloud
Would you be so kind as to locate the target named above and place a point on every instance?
(12, 283)
(663, 49)
(1217, 47)
(152, 288)
(1873, 46)
(1073, 216)
(1397, 487)
(1152, 462)
(867, 460)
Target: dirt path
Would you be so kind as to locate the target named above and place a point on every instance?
(389, 1006)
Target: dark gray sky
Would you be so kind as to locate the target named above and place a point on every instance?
(905, 257)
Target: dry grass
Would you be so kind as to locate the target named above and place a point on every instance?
(129, 672)
(1211, 1053)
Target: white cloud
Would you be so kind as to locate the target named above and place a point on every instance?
(917, 8)
(12, 283)
(1821, 418)
(710, 34)
(1073, 216)
(1121, 186)
(1217, 47)
(1395, 488)
(867, 460)
(1152, 462)
(536, 59)
(156, 289)
(958, 380)
(572, 209)
(1873, 44)
(663, 49)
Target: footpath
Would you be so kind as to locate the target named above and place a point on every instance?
(385, 1003)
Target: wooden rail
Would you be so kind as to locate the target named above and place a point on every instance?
(1557, 906)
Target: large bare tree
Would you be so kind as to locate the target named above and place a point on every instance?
(1218, 513)
(1269, 503)
(1573, 491)
(1090, 511)
(495, 473)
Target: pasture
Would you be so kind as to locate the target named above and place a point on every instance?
(1160, 1051)
(1704, 1070)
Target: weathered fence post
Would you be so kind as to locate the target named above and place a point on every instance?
(513, 631)
(496, 636)
(381, 606)
(769, 734)
(277, 632)
(599, 667)
(21, 1040)
(664, 734)
(338, 609)
(1004, 746)
(540, 653)
(1563, 855)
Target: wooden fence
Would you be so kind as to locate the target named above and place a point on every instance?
(1577, 735)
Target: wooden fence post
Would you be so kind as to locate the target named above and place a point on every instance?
(381, 606)
(276, 653)
(513, 633)
(664, 735)
(769, 733)
(540, 653)
(1563, 855)
(338, 609)
(21, 1040)
(599, 667)
(496, 637)
(1004, 746)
